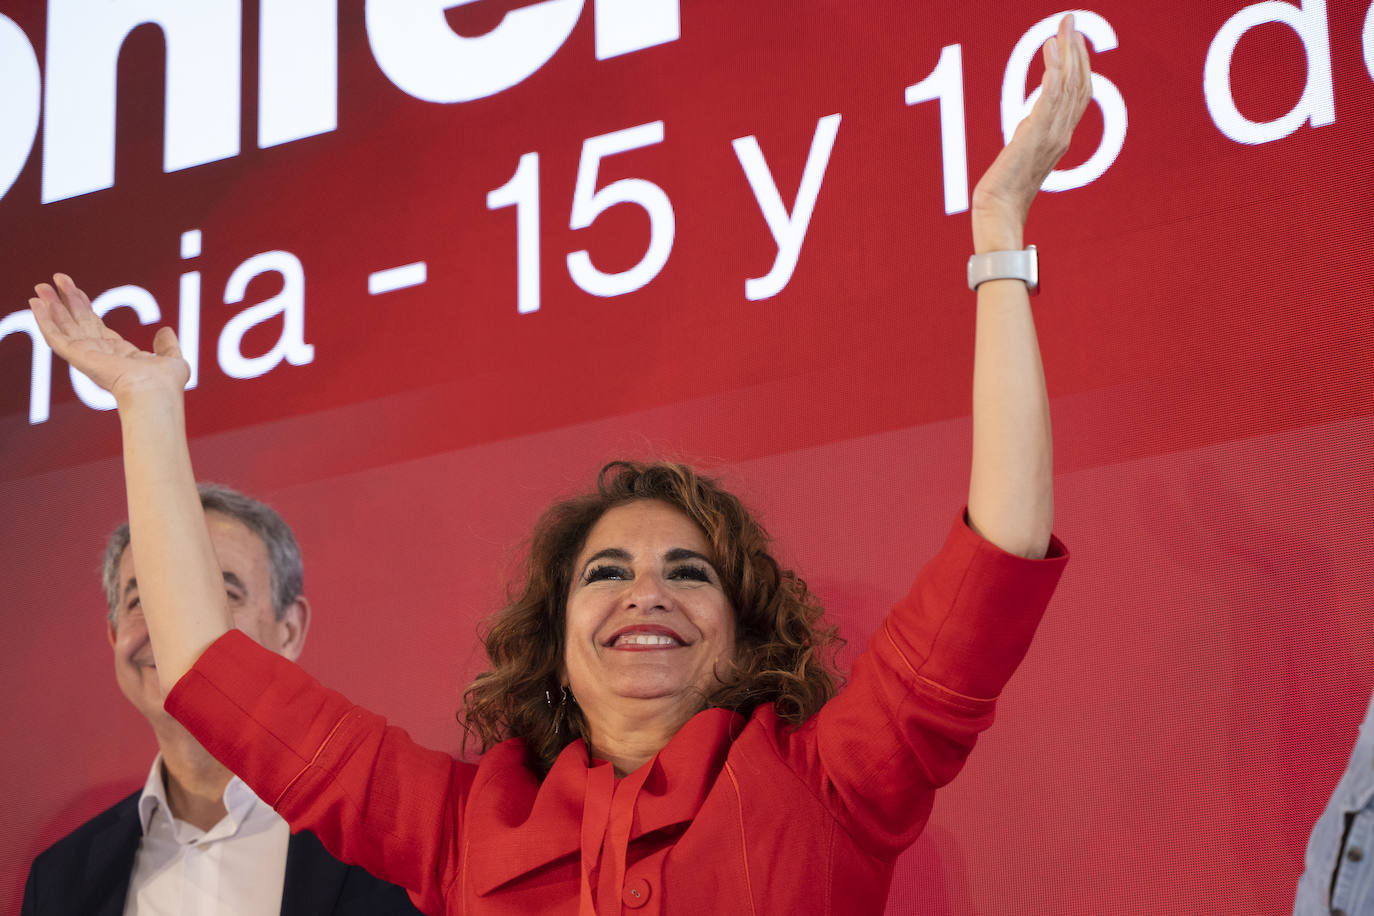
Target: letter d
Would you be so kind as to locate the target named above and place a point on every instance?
(1317, 104)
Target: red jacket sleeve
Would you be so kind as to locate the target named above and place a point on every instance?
(923, 689)
(372, 796)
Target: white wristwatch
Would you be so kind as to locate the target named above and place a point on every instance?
(1006, 265)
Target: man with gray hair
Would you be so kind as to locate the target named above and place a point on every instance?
(196, 839)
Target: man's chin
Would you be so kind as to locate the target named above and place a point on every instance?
(144, 694)
(155, 714)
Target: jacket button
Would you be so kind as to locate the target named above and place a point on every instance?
(1354, 853)
(636, 893)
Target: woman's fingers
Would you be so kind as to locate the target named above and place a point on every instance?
(68, 323)
(76, 300)
(1052, 83)
(79, 305)
(1082, 70)
(54, 320)
(69, 311)
(43, 315)
(165, 343)
(60, 307)
(1067, 84)
(49, 296)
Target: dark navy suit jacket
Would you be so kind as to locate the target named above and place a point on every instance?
(86, 873)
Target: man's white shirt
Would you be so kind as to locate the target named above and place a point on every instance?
(236, 868)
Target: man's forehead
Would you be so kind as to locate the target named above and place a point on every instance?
(229, 536)
(131, 584)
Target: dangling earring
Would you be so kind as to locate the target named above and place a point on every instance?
(562, 709)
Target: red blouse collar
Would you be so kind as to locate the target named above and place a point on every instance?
(540, 822)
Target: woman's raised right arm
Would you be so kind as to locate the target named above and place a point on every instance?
(180, 584)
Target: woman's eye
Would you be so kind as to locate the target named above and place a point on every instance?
(693, 573)
(597, 573)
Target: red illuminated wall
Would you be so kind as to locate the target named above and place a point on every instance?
(1205, 321)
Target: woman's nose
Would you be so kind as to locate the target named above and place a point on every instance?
(646, 593)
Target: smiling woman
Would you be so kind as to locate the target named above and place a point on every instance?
(657, 549)
(697, 758)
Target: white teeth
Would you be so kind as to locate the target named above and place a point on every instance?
(645, 639)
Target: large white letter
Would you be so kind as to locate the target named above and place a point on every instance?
(298, 70)
(289, 303)
(1368, 41)
(202, 107)
(623, 26)
(19, 95)
(188, 324)
(145, 306)
(1317, 103)
(40, 371)
(417, 50)
(788, 230)
(1101, 37)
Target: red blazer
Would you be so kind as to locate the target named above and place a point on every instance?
(734, 815)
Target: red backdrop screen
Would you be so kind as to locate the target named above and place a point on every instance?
(436, 264)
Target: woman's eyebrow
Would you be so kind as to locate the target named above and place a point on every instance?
(683, 553)
(609, 553)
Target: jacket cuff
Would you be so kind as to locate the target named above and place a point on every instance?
(257, 713)
(993, 602)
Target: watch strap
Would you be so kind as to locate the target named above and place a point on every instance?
(1006, 265)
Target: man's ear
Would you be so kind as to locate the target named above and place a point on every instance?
(110, 630)
(293, 626)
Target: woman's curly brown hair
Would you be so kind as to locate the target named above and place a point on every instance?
(784, 645)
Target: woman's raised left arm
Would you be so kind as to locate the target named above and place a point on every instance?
(1011, 498)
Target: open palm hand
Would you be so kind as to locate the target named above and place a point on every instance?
(77, 334)
(1011, 182)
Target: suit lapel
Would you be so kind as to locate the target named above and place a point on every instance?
(110, 861)
(314, 878)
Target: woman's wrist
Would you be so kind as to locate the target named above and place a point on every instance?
(139, 393)
(995, 230)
